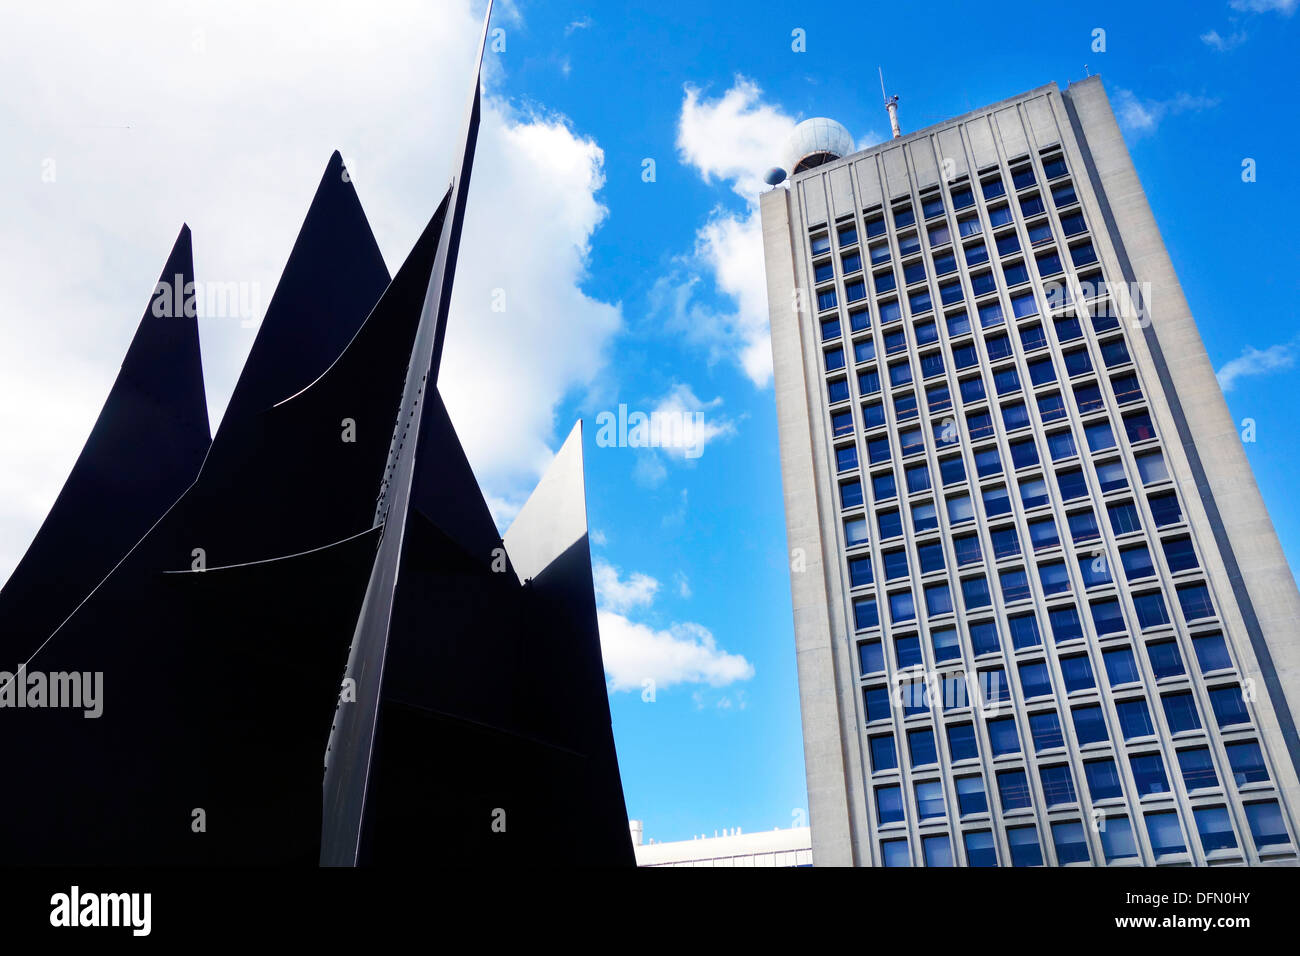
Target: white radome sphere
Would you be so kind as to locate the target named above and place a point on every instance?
(818, 139)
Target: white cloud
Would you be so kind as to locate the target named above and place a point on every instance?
(1222, 43)
(582, 23)
(685, 653)
(735, 139)
(1139, 117)
(223, 115)
(620, 595)
(680, 654)
(1284, 7)
(1253, 361)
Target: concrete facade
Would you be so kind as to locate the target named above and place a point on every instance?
(1095, 396)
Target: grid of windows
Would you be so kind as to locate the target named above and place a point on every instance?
(1007, 500)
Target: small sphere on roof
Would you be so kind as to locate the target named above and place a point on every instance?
(774, 176)
(816, 141)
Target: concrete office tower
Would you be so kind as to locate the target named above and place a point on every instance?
(1041, 613)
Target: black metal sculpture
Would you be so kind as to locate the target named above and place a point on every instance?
(333, 529)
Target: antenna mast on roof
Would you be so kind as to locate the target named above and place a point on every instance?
(891, 104)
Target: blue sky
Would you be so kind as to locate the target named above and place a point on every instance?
(1192, 112)
(620, 291)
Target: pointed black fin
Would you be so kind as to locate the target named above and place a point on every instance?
(143, 452)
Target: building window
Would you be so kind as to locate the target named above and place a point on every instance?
(871, 657)
(865, 614)
(1267, 828)
(1195, 602)
(929, 799)
(895, 853)
(1151, 468)
(937, 850)
(1215, 828)
(1247, 762)
(946, 645)
(1013, 790)
(1165, 833)
(838, 390)
(850, 494)
(961, 742)
(1014, 416)
(1121, 666)
(1083, 526)
(920, 747)
(1089, 724)
(1138, 427)
(1149, 774)
(846, 457)
(1107, 618)
(1015, 585)
(1003, 737)
(1229, 706)
(1211, 652)
(1051, 408)
(980, 848)
(984, 637)
(859, 571)
(1042, 534)
(884, 755)
(938, 600)
(1054, 578)
(970, 795)
(1066, 625)
(1103, 779)
(987, 461)
(1123, 518)
(1165, 509)
(975, 593)
(1045, 728)
(1134, 718)
(1151, 611)
(1099, 437)
(1076, 671)
(1165, 659)
(960, 509)
(1058, 785)
(1033, 493)
(1137, 562)
(1197, 767)
(902, 609)
(848, 235)
(876, 702)
(1070, 842)
(914, 698)
(1034, 680)
(1025, 850)
(855, 532)
(990, 315)
(1179, 554)
(972, 389)
(889, 804)
(1117, 841)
